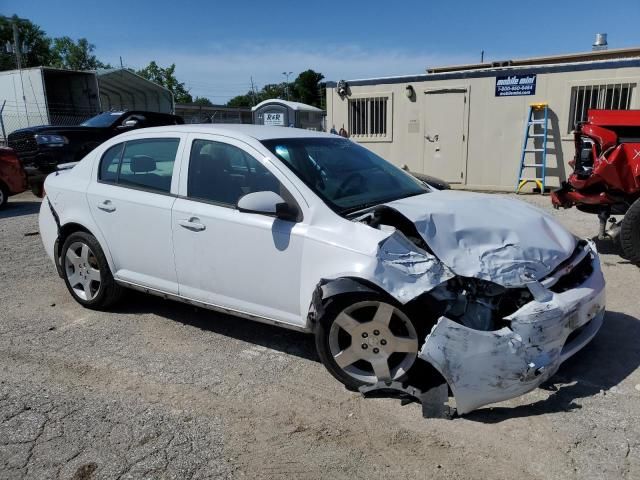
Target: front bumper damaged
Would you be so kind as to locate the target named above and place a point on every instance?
(483, 367)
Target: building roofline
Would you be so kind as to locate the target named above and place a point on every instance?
(490, 71)
(613, 54)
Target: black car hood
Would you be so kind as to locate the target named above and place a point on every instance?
(58, 129)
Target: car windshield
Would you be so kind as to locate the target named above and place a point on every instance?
(345, 175)
(103, 120)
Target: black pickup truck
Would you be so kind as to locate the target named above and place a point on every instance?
(41, 149)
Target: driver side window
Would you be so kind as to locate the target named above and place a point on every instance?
(221, 173)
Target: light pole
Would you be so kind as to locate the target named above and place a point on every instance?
(286, 85)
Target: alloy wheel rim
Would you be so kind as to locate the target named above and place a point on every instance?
(373, 341)
(83, 274)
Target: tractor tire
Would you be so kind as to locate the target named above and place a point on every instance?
(630, 233)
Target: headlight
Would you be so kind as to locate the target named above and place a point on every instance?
(51, 140)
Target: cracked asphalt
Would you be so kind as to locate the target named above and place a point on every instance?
(157, 389)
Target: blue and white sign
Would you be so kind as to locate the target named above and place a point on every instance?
(515, 85)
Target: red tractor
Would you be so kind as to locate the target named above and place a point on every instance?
(606, 175)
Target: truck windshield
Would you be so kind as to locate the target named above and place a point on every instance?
(103, 120)
(345, 175)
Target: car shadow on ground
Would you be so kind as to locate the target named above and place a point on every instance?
(19, 209)
(604, 363)
(269, 336)
(610, 358)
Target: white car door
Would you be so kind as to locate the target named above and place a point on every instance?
(131, 202)
(245, 262)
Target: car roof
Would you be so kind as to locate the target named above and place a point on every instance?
(239, 131)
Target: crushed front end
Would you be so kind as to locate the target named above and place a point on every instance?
(483, 365)
(606, 176)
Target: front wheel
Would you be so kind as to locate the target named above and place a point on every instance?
(366, 339)
(4, 195)
(630, 233)
(86, 272)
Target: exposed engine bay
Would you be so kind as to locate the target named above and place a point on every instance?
(475, 303)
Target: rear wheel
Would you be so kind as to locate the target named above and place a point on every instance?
(365, 339)
(86, 272)
(630, 233)
(4, 195)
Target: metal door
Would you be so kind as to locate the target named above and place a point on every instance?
(445, 134)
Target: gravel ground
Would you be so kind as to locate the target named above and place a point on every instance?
(158, 389)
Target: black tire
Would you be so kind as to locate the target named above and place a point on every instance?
(107, 292)
(4, 195)
(630, 233)
(333, 308)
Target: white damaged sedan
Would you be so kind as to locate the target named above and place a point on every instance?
(313, 232)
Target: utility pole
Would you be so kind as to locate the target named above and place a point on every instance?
(15, 49)
(286, 85)
(253, 93)
(16, 45)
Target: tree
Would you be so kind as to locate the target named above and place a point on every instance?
(166, 77)
(75, 55)
(202, 101)
(38, 44)
(246, 100)
(307, 88)
(249, 99)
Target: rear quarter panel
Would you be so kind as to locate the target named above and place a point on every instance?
(67, 192)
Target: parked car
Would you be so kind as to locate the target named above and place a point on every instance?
(606, 176)
(41, 149)
(13, 179)
(315, 233)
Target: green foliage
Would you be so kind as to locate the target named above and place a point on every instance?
(166, 78)
(306, 88)
(247, 100)
(72, 55)
(31, 34)
(205, 102)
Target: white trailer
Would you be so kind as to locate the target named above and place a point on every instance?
(51, 96)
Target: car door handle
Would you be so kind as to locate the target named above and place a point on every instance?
(107, 206)
(192, 223)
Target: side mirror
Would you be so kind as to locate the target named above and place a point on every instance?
(268, 203)
(132, 122)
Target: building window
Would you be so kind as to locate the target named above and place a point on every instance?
(609, 96)
(369, 117)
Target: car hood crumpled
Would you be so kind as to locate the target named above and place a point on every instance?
(491, 237)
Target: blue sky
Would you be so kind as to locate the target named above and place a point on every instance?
(218, 45)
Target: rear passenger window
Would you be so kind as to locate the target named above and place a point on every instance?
(146, 164)
(109, 164)
(222, 173)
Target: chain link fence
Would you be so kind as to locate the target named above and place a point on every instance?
(14, 117)
(17, 115)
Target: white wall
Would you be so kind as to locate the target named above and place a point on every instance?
(495, 124)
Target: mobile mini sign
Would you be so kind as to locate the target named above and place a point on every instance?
(515, 85)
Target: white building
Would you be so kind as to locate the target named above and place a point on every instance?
(465, 124)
